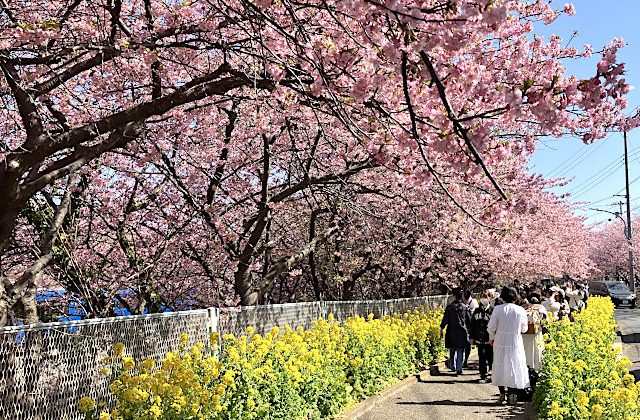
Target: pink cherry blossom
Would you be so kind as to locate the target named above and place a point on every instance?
(192, 154)
(569, 9)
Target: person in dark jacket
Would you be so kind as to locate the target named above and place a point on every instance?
(480, 336)
(457, 320)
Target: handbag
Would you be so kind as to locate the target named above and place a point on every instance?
(534, 321)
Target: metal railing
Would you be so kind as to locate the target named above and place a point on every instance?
(46, 368)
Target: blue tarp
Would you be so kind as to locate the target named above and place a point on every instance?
(75, 311)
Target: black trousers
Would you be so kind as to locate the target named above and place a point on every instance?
(485, 356)
(467, 352)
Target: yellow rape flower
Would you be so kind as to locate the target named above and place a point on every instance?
(555, 411)
(596, 411)
(128, 363)
(155, 411)
(197, 381)
(582, 399)
(86, 404)
(628, 380)
(118, 348)
(147, 364)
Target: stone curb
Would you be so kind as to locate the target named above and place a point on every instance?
(370, 403)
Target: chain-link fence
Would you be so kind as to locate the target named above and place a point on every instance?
(264, 317)
(46, 368)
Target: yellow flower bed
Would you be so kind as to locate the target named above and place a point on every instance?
(289, 374)
(583, 375)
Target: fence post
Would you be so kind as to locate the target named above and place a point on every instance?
(213, 323)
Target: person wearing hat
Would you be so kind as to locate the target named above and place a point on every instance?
(550, 303)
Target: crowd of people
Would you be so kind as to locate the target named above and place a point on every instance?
(507, 329)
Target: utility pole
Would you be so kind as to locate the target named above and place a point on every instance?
(632, 281)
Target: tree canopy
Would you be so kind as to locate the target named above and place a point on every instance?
(163, 154)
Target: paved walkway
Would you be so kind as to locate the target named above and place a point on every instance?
(447, 397)
(629, 331)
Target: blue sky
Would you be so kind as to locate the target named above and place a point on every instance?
(596, 170)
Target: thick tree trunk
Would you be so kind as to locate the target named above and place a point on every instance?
(349, 286)
(9, 211)
(4, 303)
(18, 298)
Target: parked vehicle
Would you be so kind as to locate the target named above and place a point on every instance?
(619, 292)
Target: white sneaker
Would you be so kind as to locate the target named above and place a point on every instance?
(502, 398)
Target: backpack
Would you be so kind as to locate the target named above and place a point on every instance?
(534, 319)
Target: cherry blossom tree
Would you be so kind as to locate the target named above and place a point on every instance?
(141, 134)
(609, 250)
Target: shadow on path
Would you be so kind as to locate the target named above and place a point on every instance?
(630, 338)
(518, 411)
(451, 402)
(444, 395)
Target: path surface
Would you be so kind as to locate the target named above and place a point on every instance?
(447, 397)
(629, 328)
(628, 321)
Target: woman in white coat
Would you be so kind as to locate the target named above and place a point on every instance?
(508, 322)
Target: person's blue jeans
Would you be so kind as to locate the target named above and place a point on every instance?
(456, 358)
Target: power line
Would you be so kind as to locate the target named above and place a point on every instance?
(611, 164)
(590, 203)
(571, 162)
(600, 179)
(562, 165)
(634, 180)
(596, 179)
(588, 152)
(617, 161)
